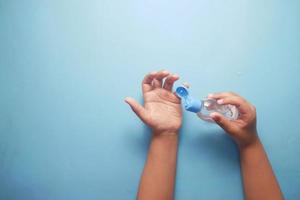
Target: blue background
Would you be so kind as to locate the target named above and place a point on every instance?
(66, 66)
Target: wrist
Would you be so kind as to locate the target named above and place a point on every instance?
(165, 132)
(164, 141)
(255, 142)
(165, 136)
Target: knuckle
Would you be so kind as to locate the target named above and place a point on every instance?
(233, 93)
(244, 101)
(229, 93)
(231, 129)
(244, 125)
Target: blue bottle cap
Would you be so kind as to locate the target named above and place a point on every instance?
(190, 104)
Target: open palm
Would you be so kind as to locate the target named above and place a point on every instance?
(162, 109)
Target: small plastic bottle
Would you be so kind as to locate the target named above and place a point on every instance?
(205, 107)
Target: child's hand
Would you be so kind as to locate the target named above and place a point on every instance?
(242, 130)
(162, 109)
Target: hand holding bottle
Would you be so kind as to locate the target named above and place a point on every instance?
(243, 129)
(206, 106)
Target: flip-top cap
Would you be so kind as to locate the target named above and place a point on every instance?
(190, 104)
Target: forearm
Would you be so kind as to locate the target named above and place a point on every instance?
(259, 180)
(159, 173)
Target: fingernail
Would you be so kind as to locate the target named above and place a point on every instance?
(126, 99)
(175, 75)
(154, 72)
(210, 95)
(220, 101)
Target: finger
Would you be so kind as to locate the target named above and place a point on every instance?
(175, 94)
(239, 102)
(147, 82)
(169, 82)
(156, 83)
(159, 78)
(224, 123)
(137, 108)
(221, 95)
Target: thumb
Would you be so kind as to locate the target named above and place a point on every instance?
(137, 108)
(222, 121)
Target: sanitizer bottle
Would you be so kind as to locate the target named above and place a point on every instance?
(205, 107)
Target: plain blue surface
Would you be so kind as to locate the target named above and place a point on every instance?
(66, 66)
